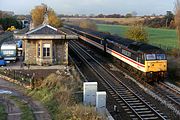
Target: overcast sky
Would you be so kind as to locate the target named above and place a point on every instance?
(142, 7)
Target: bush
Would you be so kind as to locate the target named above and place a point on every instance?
(174, 52)
(88, 24)
(137, 33)
(57, 92)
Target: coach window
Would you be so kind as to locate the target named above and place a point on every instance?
(127, 53)
(46, 50)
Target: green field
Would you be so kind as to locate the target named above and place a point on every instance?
(165, 38)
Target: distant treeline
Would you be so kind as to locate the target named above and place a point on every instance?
(98, 16)
(10, 21)
(160, 21)
(166, 21)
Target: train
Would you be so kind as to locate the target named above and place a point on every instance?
(144, 60)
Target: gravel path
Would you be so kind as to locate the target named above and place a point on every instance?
(14, 113)
(12, 110)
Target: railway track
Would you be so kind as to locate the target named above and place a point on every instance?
(134, 105)
(172, 93)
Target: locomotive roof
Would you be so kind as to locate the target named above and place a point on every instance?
(143, 47)
(95, 33)
(133, 45)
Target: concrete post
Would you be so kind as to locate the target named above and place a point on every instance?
(89, 93)
(101, 102)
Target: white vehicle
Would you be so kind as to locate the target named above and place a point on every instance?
(9, 52)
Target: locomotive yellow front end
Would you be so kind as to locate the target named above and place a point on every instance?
(155, 67)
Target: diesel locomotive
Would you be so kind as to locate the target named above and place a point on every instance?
(147, 61)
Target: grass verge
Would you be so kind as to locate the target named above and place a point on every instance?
(58, 94)
(3, 115)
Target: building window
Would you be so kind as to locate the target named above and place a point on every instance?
(46, 50)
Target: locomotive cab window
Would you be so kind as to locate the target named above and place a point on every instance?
(155, 56)
(150, 57)
(160, 56)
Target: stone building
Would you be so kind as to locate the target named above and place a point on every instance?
(46, 45)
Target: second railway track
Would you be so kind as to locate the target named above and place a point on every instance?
(134, 105)
(171, 93)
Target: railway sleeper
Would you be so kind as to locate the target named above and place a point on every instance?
(130, 99)
(143, 112)
(120, 101)
(126, 97)
(114, 95)
(122, 104)
(135, 119)
(132, 115)
(151, 118)
(111, 92)
(139, 106)
(121, 88)
(117, 99)
(127, 109)
(148, 115)
(125, 94)
(135, 104)
(134, 101)
(141, 109)
(129, 112)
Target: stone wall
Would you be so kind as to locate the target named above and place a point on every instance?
(30, 51)
(58, 55)
(61, 52)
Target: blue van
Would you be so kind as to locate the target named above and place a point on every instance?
(2, 61)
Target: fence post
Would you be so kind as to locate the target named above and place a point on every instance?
(14, 74)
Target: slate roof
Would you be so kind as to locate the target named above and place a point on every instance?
(44, 29)
(46, 32)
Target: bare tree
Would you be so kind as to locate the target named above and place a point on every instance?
(177, 19)
(38, 14)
